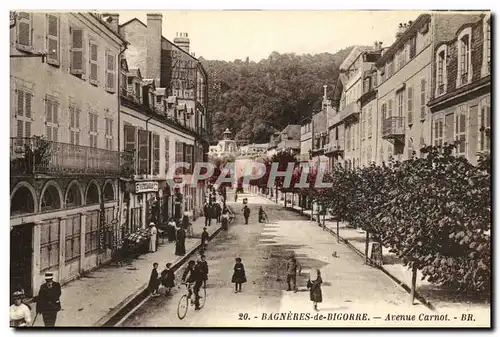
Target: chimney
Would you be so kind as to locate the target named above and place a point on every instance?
(182, 41)
(324, 92)
(400, 31)
(111, 21)
(153, 54)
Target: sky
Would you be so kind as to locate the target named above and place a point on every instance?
(229, 35)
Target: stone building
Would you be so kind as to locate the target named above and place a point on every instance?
(63, 186)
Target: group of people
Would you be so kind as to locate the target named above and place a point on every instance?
(216, 210)
(48, 304)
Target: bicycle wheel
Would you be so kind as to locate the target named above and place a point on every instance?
(182, 307)
(203, 296)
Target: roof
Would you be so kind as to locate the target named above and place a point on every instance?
(109, 29)
(353, 55)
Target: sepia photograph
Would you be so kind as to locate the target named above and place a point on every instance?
(250, 169)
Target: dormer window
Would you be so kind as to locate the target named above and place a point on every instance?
(464, 57)
(130, 80)
(159, 99)
(441, 73)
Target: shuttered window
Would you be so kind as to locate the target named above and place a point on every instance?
(91, 232)
(110, 71)
(423, 102)
(189, 157)
(72, 242)
(94, 66)
(460, 129)
(156, 153)
(53, 39)
(74, 124)
(77, 52)
(179, 155)
(24, 31)
(370, 116)
(51, 118)
(167, 154)
(93, 133)
(485, 125)
(49, 245)
(23, 115)
(143, 145)
(410, 105)
(109, 134)
(129, 132)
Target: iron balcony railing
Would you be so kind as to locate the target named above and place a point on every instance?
(393, 127)
(40, 156)
(333, 147)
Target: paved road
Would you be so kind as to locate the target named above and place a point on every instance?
(349, 286)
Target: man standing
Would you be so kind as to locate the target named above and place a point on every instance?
(246, 214)
(204, 239)
(207, 210)
(153, 238)
(48, 302)
(291, 273)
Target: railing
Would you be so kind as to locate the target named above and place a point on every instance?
(393, 126)
(36, 155)
(333, 147)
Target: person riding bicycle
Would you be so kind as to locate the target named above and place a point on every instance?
(262, 215)
(193, 275)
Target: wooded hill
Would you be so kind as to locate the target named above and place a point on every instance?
(254, 99)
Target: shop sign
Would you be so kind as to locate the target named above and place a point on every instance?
(177, 180)
(146, 186)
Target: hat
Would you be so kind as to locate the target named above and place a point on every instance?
(152, 224)
(18, 294)
(49, 276)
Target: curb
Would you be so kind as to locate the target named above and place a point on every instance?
(385, 271)
(118, 314)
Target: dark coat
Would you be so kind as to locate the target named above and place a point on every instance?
(314, 287)
(167, 278)
(193, 274)
(153, 279)
(204, 270)
(246, 212)
(217, 210)
(204, 238)
(239, 273)
(49, 298)
(180, 244)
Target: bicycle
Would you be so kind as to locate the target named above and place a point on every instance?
(188, 298)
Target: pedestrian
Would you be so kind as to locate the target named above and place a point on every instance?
(204, 270)
(193, 276)
(204, 238)
(217, 211)
(154, 280)
(20, 313)
(186, 224)
(48, 303)
(152, 239)
(239, 276)
(172, 228)
(168, 279)
(262, 215)
(235, 196)
(246, 213)
(206, 213)
(314, 287)
(225, 219)
(291, 273)
(180, 243)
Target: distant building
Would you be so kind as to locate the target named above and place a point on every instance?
(224, 147)
(253, 149)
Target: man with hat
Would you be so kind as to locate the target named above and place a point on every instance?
(48, 302)
(20, 313)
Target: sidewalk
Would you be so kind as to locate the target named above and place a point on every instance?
(393, 266)
(87, 300)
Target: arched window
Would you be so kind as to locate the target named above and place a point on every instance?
(50, 199)
(22, 201)
(73, 196)
(464, 42)
(92, 196)
(108, 192)
(441, 71)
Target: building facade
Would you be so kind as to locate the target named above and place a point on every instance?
(460, 104)
(166, 119)
(64, 149)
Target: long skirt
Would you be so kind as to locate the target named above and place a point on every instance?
(180, 248)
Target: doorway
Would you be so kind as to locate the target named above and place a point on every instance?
(21, 255)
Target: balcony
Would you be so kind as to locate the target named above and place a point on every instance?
(29, 156)
(350, 112)
(393, 128)
(334, 148)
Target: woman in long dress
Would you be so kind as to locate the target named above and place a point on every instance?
(314, 287)
(180, 243)
(152, 240)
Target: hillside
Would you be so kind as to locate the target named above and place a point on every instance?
(255, 99)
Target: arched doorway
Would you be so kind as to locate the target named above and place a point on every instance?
(92, 196)
(22, 201)
(108, 192)
(73, 195)
(51, 198)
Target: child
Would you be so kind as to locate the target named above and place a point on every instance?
(167, 279)
(204, 270)
(239, 275)
(204, 239)
(153, 280)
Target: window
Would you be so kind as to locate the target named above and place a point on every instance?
(179, 153)
(410, 148)
(23, 115)
(51, 118)
(92, 232)
(156, 154)
(348, 138)
(167, 154)
(369, 121)
(94, 66)
(423, 101)
(74, 124)
(464, 57)
(413, 46)
(53, 39)
(460, 129)
(109, 134)
(138, 91)
(24, 31)
(389, 108)
(77, 52)
(110, 71)
(363, 124)
(189, 157)
(49, 245)
(485, 125)
(383, 109)
(158, 99)
(93, 130)
(143, 140)
(410, 105)
(72, 243)
(441, 73)
(129, 135)
(130, 80)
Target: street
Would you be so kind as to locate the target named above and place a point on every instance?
(349, 286)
